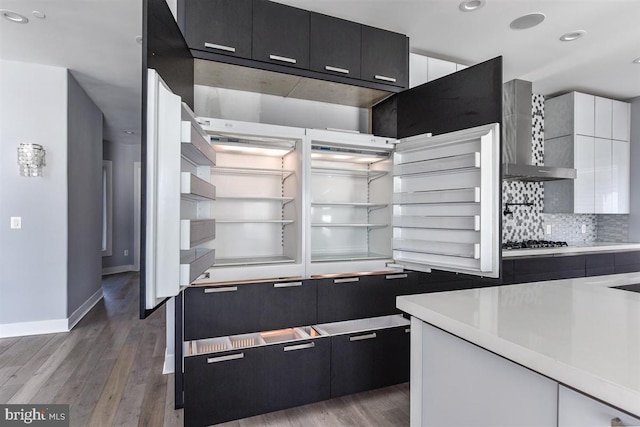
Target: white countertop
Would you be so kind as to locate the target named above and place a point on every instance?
(578, 332)
(573, 248)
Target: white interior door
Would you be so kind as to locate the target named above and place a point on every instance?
(446, 202)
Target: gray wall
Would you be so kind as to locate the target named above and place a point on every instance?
(123, 157)
(634, 217)
(84, 169)
(33, 260)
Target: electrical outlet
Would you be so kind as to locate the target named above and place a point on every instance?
(584, 228)
(16, 222)
(126, 252)
(548, 230)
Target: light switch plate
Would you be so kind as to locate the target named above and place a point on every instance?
(16, 222)
(548, 229)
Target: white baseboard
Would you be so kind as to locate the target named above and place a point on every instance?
(169, 362)
(118, 269)
(34, 328)
(81, 311)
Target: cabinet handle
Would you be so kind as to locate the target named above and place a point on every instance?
(336, 69)
(300, 346)
(225, 358)
(287, 284)
(385, 78)
(223, 289)
(397, 276)
(408, 330)
(616, 422)
(283, 59)
(363, 337)
(220, 47)
(347, 280)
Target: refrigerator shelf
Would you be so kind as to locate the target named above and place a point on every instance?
(228, 170)
(194, 232)
(349, 205)
(354, 225)
(228, 262)
(195, 188)
(284, 200)
(354, 256)
(195, 146)
(194, 262)
(255, 221)
(354, 172)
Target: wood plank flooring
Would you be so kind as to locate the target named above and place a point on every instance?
(109, 370)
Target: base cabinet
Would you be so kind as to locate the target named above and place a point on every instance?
(577, 410)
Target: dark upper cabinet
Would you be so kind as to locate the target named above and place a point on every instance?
(385, 57)
(280, 34)
(220, 26)
(335, 46)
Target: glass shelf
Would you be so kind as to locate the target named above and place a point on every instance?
(349, 204)
(363, 173)
(353, 256)
(227, 170)
(255, 221)
(355, 225)
(228, 262)
(284, 200)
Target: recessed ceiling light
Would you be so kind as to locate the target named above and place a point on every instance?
(573, 35)
(527, 21)
(636, 61)
(14, 16)
(471, 5)
(38, 14)
(130, 132)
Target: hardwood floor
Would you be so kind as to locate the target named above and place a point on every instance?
(109, 370)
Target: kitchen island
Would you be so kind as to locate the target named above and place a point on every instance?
(564, 352)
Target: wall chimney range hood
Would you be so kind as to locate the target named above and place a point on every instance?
(517, 140)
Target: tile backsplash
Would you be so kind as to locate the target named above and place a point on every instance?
(530, 223)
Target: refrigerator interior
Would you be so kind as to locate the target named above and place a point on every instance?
(350, 206)
(257, 206)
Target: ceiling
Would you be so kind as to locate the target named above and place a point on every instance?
(95, 39)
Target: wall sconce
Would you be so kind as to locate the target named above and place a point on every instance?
(31, 158)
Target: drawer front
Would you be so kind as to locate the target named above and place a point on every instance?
(353, 364)
(225, 386)
(298, 373)
(548, 268)
(230, 310)
(392, 356)
(599, 264)
(627, 262)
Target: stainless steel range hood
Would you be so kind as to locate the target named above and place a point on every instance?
(517, 138)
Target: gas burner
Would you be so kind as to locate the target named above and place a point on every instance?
(533, 244)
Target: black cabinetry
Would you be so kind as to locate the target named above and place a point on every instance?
(367, 360)
(224, 386)
(297, 373)
(385, 56)
(548, 268)
(221, 26)
(335, 46)
(599, 264)
(228, 310)
(280, 34)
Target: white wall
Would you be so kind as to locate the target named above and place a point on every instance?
(50, 268)
(634, 217)
(33, 260)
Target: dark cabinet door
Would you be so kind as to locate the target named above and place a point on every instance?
(280, 34)
(334, 46)
(385, 57)
(353, 363)
(548, 268)
(220, 26)
(392, 356)
(599, 264)
(229, 310)
(626, 262)
(349, 298)
(298, 373)
(224, 386)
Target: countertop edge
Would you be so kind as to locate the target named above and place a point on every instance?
(570, 250)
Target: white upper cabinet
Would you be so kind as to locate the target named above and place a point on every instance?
(602, 175)
(423, 69)
(584, 184)
(602, 117)
(620, 121)
(620, 171)
(584, 112)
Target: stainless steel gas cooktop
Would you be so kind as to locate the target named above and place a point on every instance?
(533, 244)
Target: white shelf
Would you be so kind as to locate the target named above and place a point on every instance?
(354, 256)
(349, 205)
(196, 189)
(193, 263)
(364, 173)
(255, 221)
(195, 146)
(283, 200)
(228, 262)
(226, 170)
(350, 225)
